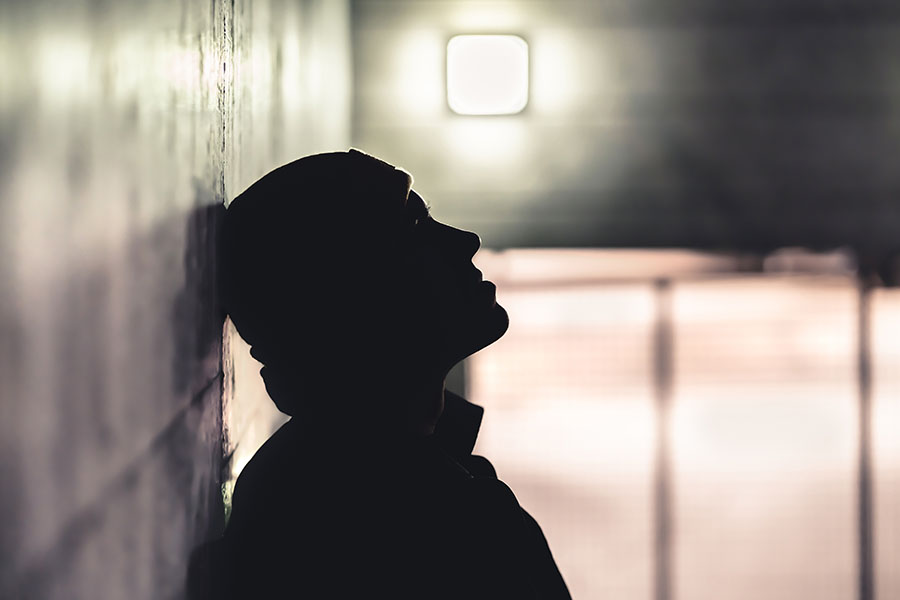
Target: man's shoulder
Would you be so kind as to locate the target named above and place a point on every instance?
(479, 466)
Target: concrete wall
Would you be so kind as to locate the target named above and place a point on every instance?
(123, 128)
(748, 123)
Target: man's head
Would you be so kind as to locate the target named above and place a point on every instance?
(332, 270)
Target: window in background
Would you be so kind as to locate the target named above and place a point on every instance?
(569, 426)
(763, 430)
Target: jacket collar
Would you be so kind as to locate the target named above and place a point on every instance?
(457, 429)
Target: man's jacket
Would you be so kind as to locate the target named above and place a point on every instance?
(418, 519)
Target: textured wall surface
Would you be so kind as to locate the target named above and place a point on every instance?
(747, 123)
(124, 126)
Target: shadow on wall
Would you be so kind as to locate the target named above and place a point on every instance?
(197, 318)
(111, 466)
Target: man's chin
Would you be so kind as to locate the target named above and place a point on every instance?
(500, 317)
(487, 330)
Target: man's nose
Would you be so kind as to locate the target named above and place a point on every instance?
(458, 241)
(468, 241)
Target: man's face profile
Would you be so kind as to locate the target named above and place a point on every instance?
(338, 277)
(460, 307)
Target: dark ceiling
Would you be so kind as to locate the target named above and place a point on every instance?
(740, 125)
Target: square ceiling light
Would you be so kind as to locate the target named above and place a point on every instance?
(487, 74)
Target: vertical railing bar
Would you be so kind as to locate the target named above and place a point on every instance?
(866, 557)
(662, 498)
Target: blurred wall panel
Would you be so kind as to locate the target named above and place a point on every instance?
(123, 128)
(692, 124)
(886, 442)
(765, 438)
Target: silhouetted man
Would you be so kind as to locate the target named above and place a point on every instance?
(358, 304)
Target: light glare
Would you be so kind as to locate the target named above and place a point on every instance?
(487, 74)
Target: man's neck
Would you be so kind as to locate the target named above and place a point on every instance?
(380, 409)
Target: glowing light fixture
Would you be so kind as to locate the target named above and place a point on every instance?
(487, 74)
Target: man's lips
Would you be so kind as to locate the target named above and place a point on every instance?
(489, 290)
(477, 287)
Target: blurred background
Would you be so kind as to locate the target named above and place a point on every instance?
(692, 221)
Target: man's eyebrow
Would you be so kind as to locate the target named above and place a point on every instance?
(421, 208)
